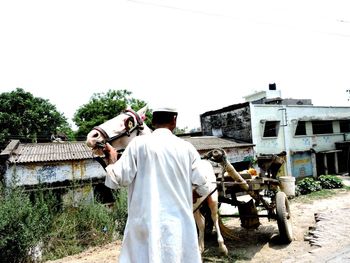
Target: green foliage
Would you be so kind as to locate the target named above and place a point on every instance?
(309, 184)
(96, 224)
(103, 107)
(75, 229)
(121, 210)
(27, 220)
(28, 118)
(23, 223)
(330, 182)
(324, 193)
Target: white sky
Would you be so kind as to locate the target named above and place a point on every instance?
(196, 55)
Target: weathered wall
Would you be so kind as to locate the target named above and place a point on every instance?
(53, 172)
(232, 124)
(286, 135)
(247, 122)
(286, 140)
(302, 165)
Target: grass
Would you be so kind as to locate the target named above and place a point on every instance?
(322, 194)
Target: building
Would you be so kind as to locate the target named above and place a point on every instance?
(71, 170)
(314, 138)
(67, 168)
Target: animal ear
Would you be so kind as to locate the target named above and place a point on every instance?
(142, 112)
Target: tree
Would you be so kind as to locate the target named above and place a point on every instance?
(28, 118)
(103, 107)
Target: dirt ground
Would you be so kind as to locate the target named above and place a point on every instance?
(328, 236)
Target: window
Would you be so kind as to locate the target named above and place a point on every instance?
(344, 125)
(301, 128)
(322, 127)
(271, 128)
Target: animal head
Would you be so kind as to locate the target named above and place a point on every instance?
(118, 131)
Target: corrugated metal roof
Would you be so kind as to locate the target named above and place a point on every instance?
(211, 142)
(65, 151)
(49, 152)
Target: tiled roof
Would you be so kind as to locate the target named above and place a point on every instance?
(211, 142)
(48, 152)
(65, 151)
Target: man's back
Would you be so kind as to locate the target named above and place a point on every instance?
(160, 223)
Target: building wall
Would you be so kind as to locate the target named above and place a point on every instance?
(302, 164)
(233, 124)
(286, 140)
(289, 116)
(248, 123)
(30, 174)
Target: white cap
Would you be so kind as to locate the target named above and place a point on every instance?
(165, 109)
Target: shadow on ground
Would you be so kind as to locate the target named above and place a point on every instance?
(247, 245)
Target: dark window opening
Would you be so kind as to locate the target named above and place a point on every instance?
(301, 128)
(344, 125)
(322, 127)
(271, 128)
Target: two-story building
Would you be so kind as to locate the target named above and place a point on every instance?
(314, 138)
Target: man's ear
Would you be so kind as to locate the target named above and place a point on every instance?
(174, 121)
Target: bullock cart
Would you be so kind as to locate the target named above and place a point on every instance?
(261, 194)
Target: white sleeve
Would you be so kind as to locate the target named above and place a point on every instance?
(111, 178)
(123, 172)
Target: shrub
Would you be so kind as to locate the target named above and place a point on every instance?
(76, 229)
(308, 185)
(95, 224)
(27, 220)
(121, 210)
(330, 182)
(23, 223)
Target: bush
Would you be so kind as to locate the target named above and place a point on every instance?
(27, 220)
(95, 224)
(76, 229)
(330, 182)
(23, 223)
(121, 210)
(308, 185)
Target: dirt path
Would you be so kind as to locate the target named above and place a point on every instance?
(329, 237)
(331, 233)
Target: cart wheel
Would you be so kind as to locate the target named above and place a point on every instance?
(284, 217)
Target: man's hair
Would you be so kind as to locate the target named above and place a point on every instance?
(163, 117)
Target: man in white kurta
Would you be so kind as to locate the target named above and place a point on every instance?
(160, 170)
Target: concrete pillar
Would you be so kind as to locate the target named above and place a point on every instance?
(325, 163)
(314, 164)
(336, 162)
